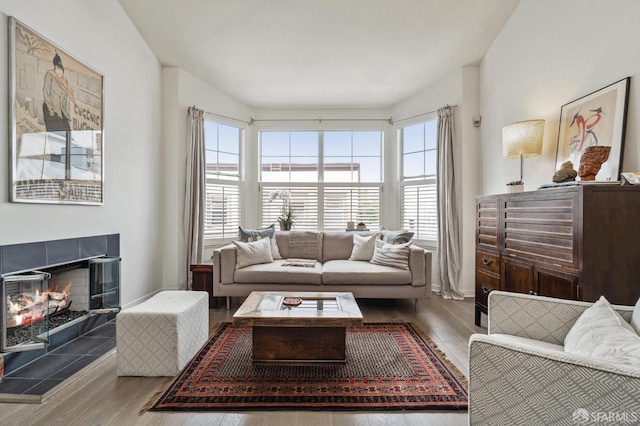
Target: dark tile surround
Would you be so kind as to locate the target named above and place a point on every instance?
(34, 373)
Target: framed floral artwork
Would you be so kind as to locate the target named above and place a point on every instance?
(56, 123)
(595, 120)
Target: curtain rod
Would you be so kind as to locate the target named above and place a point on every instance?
(420, 115)
(320, 119)
(389, 120)
(230, 118)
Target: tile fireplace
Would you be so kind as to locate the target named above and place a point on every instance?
(53, 293)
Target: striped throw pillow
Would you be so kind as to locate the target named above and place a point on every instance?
(394, 255)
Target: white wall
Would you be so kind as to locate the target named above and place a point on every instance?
(180, 90)
(102, 36)
(551, 53)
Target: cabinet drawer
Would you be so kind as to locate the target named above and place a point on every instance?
(487, 262)
(484, 285)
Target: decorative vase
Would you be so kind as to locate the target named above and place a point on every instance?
(285, 225)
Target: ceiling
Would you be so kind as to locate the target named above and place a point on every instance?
(319, 53)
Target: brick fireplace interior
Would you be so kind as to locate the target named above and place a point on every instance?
(78, 334)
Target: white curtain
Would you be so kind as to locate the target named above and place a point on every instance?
(194, 197)
(448, 227)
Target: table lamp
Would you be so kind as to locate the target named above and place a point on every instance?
(522, 139)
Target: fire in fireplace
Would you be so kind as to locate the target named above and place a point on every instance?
(37, 302)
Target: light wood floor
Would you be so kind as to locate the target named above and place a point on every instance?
(96, 396)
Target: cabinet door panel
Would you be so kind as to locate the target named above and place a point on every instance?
(555, 284)
(517, 276)
(484, 285)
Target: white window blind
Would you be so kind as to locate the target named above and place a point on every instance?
(420, 210)
(351, 203)
(304, 201)
(222, 210)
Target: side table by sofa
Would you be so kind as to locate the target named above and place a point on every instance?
(202, 277)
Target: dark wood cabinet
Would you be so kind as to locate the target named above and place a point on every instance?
(202, 280)
(577, 242)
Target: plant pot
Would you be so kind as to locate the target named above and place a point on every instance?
(284, 225)
(515, 188)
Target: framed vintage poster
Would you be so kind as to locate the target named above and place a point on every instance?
(56, 123)
(595, 120)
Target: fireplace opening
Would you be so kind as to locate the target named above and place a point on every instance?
(38, 302)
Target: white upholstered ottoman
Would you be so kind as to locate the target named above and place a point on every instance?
(161, 335)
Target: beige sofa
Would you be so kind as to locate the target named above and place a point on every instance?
(332, 272)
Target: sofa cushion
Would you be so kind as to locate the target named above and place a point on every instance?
(600, 332)
(253, 253)
(360, 272)
(363, 247)
(248, 235)
(635, 317)
(395, 237)
(337, 245)
(275, 273)
(393, 255)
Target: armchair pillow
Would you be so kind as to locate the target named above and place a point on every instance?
(363, 247)
(253, 253)
(393, 255)
(601, 333)
(635, 317)
(395, 237)
(248, 235)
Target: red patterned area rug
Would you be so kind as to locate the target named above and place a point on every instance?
(389, 367)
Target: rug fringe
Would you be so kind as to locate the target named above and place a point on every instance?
(462, 378)
(157, 394)
(213, 327)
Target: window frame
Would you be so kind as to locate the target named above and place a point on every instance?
(421, 183)
(319, 185)
(213, 241)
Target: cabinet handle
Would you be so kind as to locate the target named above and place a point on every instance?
(487, 261)
(486, 290)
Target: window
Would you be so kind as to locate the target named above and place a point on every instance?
(222, 207)
(333, 177)
(418, 179)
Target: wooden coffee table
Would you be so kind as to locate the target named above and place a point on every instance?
(312, 332)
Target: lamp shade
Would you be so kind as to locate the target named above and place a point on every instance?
(522, 139)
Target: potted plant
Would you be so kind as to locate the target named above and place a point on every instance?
(286, 215)
(515, 186)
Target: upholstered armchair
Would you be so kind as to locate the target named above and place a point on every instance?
(519, 372)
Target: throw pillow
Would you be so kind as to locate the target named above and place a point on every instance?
(248, 235)
(394, 255)
(395, 237)
(601, 333)
(363, 247)
(635, 317)
(253, 253)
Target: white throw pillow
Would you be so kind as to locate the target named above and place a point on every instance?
(248, 235)
(394, 255)
(601, 333)
(635, 317)
(253, 253)
(363, 247)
